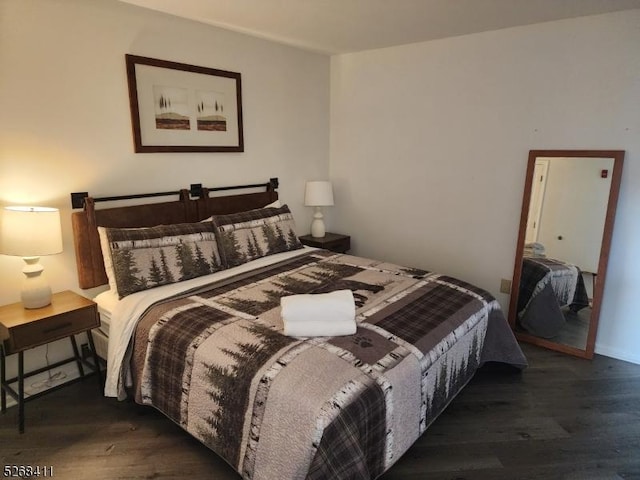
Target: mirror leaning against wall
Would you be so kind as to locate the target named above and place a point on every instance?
(567, 217)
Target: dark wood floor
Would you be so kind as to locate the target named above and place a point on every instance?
(563, 418)
(576, 328)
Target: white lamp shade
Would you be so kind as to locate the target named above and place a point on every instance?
(318, 194)
(30, 231)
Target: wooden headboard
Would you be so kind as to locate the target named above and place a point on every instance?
(192, 205)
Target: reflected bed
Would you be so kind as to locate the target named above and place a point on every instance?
(546, 286)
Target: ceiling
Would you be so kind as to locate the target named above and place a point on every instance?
(343, 26)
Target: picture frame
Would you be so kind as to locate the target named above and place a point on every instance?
(176, 107)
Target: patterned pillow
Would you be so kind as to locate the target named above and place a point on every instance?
(255, 233)
(141, 258)
(274, 204)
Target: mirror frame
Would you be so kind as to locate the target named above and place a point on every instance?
(618, 158)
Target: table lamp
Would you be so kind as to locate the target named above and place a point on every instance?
(318, 194)
(30, 232)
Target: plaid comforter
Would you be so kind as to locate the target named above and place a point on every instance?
(564, 279)
(215, 361)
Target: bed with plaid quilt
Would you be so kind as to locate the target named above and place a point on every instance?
(215, 361)
(546, 286)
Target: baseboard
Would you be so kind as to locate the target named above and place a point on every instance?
(617, 354)
(36, 383)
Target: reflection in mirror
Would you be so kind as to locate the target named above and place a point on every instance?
(565, 232)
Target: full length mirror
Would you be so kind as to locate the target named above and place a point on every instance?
(568, 210)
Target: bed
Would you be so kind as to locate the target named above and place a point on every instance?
(547, 285)
(209, 351)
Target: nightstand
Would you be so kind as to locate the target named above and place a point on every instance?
(22, 329)
(335, 242)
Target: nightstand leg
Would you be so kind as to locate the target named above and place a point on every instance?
(21, 392)
(76, 354)
(3, 379)
(96, 360)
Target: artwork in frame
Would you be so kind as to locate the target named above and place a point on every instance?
(176, 107)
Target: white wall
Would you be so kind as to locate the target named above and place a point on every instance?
(429, 147)
(65, 123)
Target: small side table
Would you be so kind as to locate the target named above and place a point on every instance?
(335, 242)
(22, 329)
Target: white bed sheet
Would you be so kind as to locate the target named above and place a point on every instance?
(106, 303)
(125, 312)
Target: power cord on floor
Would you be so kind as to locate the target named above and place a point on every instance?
(52, 378)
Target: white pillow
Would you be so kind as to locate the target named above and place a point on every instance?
(106, 257)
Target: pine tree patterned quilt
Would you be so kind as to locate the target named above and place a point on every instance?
(546, 286)
(538, 272)
(215, 361)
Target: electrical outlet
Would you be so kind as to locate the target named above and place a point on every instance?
(505, 286)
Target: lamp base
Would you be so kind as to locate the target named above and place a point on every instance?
(36, 292)
(317, 225)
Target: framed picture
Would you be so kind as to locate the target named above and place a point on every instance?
(177, 107)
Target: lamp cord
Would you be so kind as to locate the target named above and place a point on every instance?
(48, 383)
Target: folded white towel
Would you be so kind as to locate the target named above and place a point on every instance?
(314, 328)
(323, 314)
